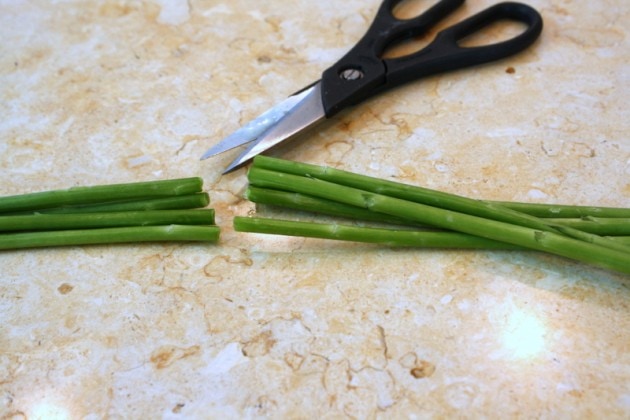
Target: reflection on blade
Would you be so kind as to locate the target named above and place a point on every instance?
(250, 131)
(305, 114)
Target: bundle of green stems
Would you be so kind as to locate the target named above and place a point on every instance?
(413, 216)
(153, 211)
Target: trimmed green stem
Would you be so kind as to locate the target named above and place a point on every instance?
(390, 237)
(594, 239)
(99, 220)
(180, 202)
(109, 236)
(100, 194)
(447, 219)
(622, 239)
(612, 226)
(303, 202)
(406, 192)
(565, 211)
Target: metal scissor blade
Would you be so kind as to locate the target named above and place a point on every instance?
(254, 128)
(305, 114)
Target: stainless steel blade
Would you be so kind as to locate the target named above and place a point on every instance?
(305, 114)
(254, 128)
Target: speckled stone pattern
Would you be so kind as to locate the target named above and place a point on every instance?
(106, 91)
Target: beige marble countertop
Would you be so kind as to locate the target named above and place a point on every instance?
(107, 91)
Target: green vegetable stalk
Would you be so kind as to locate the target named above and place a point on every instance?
(41, 222)
(104, 214)
(444, 211)
(100, 194)
(436, 198)
(385, 236)
(303, 202)
(109, 236)
(179, 202)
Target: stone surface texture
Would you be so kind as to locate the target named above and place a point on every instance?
(95, 92)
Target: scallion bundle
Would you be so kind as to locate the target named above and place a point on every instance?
(427, 218)
(153, 211)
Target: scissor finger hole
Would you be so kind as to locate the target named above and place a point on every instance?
(409, 9)
(493, 33)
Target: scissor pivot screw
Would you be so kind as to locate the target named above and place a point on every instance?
(351, 74)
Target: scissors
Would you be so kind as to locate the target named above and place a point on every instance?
(363, 72)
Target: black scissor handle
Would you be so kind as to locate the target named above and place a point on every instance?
(362, 72)
(386, 29)
(445, 53)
